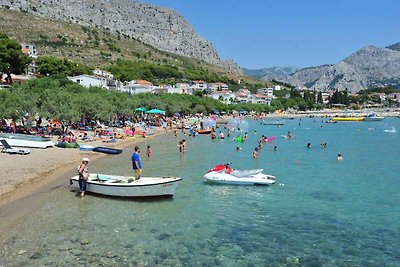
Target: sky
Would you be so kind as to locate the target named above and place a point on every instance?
(301, 33)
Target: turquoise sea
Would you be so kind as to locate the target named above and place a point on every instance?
(321, 212)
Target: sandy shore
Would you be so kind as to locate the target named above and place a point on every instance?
(23, 174)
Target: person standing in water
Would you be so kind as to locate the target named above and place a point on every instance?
(255, 153)
(136, 164)
(83, 176)
(148, 152)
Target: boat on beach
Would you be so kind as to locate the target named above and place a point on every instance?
(125, 186)
(24, 140)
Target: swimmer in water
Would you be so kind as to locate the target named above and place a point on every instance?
(255, 153)
(339, 156)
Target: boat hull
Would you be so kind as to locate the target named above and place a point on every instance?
(374, 118)
(18, 140)
(224, 178)
(348, 119)
(107, 150)
(145, 187)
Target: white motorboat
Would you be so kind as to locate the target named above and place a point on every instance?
(24, 140)
(373, 117)
(124, 186)
(240, 177)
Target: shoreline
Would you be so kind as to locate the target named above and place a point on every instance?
(21, 182)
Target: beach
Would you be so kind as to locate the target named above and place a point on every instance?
(23, 174)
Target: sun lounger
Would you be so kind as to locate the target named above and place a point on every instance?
(8, 149)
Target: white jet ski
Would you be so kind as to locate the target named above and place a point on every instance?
(238, 177)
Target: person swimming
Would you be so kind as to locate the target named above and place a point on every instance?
(339, 156)
(255, 153)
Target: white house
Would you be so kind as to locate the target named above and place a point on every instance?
(269, 92)
(198, 85)
(87, 80)
(223, 96)
(184, 87)
(212, 87)
(242, 97)
(29, 49)
(261, 99)
(103, 73)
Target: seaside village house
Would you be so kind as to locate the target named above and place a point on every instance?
(226, 97)
(212, 87)
(198, 86)
(138, 87)
(88, 80)
(29, 50)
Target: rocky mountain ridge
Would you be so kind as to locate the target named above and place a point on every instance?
(159, 27)
(272, 73)
(367, 68)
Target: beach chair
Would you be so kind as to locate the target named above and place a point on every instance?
(10, 150)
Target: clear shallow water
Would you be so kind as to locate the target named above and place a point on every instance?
(326, 213)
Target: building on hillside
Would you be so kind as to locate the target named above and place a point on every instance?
(226, 97)
(88, 81)
(198, 86)
(242, 97)
(103, 73)
(184, 87)
(244, 91)
(269, 92)
(261, 99)
(30, 50)
(277, 88)
(325, 97)
(212, 87)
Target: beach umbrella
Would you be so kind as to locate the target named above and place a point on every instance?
(155, 111)
(141, 109)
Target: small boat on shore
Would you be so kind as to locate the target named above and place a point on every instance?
(348, 118)
(107, 150)
(124, 186)
(24, 140)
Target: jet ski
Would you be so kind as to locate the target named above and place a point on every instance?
(223, 174)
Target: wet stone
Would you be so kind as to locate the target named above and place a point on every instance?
(163, 236)
(36, 255)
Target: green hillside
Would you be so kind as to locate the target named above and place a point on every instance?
(94, 46)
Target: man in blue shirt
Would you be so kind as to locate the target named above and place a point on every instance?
(136, 164)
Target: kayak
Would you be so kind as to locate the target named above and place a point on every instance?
(107, 150)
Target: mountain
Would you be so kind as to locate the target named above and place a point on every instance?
(367, 68)
(162, 28)
(270, 73)
(395, 47)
